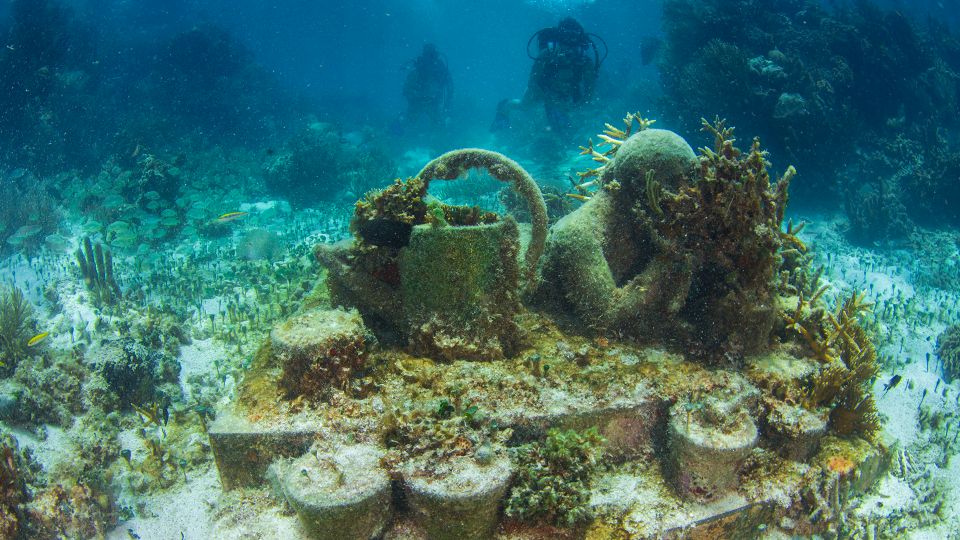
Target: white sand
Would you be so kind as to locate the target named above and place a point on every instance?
(899, 407)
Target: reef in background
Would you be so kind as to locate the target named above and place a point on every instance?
(859, 98)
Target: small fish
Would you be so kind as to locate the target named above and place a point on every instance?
(891, 384)
(577, 196)
(35, 340)
(230, 216)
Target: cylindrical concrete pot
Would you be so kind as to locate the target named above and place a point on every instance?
(795, 431)
(462, 502)
(707, 445)
(341, 496)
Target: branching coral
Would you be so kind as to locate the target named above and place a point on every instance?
(553, 478)
(612, 137)
(798, 276)
(729, 222)
(848, 363)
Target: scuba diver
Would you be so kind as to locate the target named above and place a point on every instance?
(428, 88)
(563, 75)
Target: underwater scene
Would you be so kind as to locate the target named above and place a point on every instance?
(479, 269)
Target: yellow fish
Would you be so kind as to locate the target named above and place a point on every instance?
(230, 216)
(37, 339)
(577, 196)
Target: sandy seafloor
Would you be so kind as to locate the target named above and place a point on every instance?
(198, 509)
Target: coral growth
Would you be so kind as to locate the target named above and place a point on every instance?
(28, 212)
(16, 328)
(320, 350)
(318, 158)
(948, 351)
(12, 492)
(669, 251)
(848, 363)
(134, 374)
(69, 512)
(47, 391)
(453, 164)
(767, 69)
(552, 483)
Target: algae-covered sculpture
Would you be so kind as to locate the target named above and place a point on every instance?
(673, 247)
(445, 279)
(599, 409)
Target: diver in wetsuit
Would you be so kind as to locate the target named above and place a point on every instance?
(428, 88)
(563, 75)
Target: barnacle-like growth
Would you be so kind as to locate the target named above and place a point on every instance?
(16, 327)
(96, 268)
(453, 164)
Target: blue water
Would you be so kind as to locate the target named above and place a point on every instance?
(209, 145)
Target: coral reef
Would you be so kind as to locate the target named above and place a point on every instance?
(664, 251)
(875, 210)
(768, 71)
(888, 153)
(28, 212)
(20, 477)
(318, 158)
(135, 374)
(948, 352)
(69, 512)
(47, 391)
(12, 491)
(553, 478)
